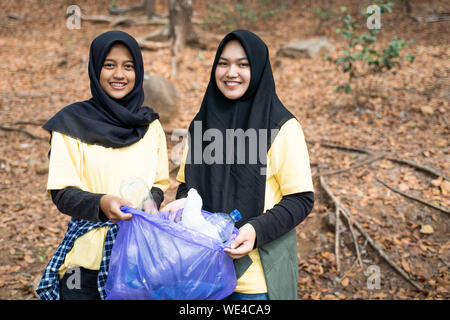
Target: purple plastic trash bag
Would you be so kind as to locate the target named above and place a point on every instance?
(156, 258)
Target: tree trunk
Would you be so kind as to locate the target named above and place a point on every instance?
(181, 28)
(149, 7)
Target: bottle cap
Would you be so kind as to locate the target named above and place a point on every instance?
(236, 215)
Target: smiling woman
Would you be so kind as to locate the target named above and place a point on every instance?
(233, 71)
(117, 77)
(96, 145)
(253, 157)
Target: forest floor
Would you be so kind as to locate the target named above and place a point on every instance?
(402, 114)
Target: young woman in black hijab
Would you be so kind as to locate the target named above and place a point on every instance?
(96, 145)
(246, 151)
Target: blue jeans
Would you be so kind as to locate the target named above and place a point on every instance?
(246, 296)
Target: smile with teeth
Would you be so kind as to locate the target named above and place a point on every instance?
(118, 85)
(232, 83)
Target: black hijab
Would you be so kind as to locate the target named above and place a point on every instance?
(223, 186)
(103, 120)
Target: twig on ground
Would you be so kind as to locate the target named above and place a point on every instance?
(355, 241)
(419, 167)
(435, 18)
(131, 20)
(349, 217)
(445, 210)
(336, 241)
(29, 134)
(349, 270)
(382, 155)
(37, 123)
(337, 206)
(326, 144)
(368, 160)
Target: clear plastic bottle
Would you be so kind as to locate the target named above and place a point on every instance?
(224, 223)
(193, 218)
(135, 190)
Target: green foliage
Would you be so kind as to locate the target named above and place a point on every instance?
(363, 47)
(324, 13)
(229, 15)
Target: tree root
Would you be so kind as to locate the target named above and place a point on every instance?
(374, 245)
(445, 210)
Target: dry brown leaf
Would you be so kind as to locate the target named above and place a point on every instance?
(403, 187)
(436, 182)
(386, 164)
(315, 296)
(445, 187)
(379, 295)
(344, 282)
(426, 229)
(405, 266)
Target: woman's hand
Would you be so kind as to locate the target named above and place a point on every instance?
(174, 206)
(110, 205)
(244, 242)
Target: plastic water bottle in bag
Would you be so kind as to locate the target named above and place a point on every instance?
(224, 223)
(193, 218)
(134, 190)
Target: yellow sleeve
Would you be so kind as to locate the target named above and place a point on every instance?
(65, 165)
(180, 175)
(162, 171)
(290, 160)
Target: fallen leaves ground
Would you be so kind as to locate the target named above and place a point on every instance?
(403, 112)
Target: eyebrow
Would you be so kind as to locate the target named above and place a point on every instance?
(240, 59)
(109, 59)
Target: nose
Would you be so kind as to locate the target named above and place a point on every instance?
(118, 73)
(232, 71)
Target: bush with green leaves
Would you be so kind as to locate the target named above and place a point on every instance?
(363, 47)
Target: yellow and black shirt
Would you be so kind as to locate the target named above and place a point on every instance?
(288, 197)
(93, 170)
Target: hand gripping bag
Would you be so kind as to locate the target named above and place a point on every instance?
(155, 258)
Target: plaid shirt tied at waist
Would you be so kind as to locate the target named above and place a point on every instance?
(48, 288)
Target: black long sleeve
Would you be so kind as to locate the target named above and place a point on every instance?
(158, 196)
(86, 205)
(283, 217)
(79, 204)
(182, 191)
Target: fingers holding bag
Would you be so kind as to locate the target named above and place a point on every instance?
(110, 205)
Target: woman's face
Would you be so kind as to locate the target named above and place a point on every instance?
(233, 71)
(117, 77)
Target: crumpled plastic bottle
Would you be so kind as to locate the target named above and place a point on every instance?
(192, 215)
(136, 191)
